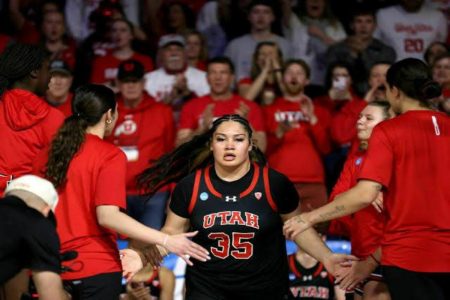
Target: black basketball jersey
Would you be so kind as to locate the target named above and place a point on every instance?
(312, 283)
(239, 223)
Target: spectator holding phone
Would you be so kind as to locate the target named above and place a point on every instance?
(344, 106)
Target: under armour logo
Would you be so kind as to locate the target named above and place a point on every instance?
(230, 198)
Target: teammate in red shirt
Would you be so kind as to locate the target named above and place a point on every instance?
(198, 114)
(408, 157)
(90, 175)
(27, 122)
(104, 68)
(365, 226)
(298, 136)
(145, 130)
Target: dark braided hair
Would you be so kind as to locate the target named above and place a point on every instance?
(190, 156)
(17, 62)
(89, 104)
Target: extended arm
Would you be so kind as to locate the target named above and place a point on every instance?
(360, 196)
(111, 217)
(312, 244)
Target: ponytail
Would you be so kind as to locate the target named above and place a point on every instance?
(175, 165)
(66, 144)
(89, 104)
(413, 77)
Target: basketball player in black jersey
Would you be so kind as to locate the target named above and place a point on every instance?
(238, 205)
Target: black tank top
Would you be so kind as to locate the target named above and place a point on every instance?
(239, 224)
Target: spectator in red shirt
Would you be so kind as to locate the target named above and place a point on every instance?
(408, 158)
(104, 68)
(198, 114)
(90, 175)
(26, 17)
(27, 122)
(145, 130)
(58, 94)
(343, 104)
(298, 136)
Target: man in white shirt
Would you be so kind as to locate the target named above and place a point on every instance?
(175, 81)
(410, 27)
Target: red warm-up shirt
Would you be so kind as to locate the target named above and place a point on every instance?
(27, 126)
(409, 156)
(344, 115)
(144, 133)
(192, 111)
(104, 68)
(298, 153)
(96, 176)
(365, 227)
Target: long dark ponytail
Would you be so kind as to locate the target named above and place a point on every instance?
(89, 104)
(188, 157)
(17, 62)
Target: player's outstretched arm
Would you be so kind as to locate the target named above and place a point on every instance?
(311, 243)
(358, 197)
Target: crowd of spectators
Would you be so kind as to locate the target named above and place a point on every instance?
(301, 72)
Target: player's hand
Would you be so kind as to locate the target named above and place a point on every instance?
(131, 263)
(295, 225)
(335, 262)
(138, 291)
(356, 273)
(378, 202)
(181, 245)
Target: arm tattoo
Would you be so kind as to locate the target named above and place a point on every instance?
(331, 215)
(300, 220)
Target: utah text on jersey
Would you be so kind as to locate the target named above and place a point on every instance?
(231, 218)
